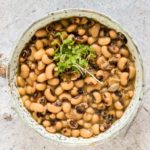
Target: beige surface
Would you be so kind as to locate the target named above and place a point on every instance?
(17, 15)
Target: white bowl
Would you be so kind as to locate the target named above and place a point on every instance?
(25, 115)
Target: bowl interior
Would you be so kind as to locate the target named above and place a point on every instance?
(25, 115)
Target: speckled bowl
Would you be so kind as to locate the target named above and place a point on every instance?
(25, 115)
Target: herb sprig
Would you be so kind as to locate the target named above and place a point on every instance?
(71, 55)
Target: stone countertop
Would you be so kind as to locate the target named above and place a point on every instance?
(17, 15)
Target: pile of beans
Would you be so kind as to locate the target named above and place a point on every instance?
(72, 104)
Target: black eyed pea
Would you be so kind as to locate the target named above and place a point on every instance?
(52, 116)
(37, 107)
(115, 97)
(66, 131)
(39, 44)
(94, 30)
(75, 133)
(75, 115)
(75, 20)
(36, 117)
(96, 48)
(101, 106)
(49, 71)
(83, 21)
(32, 76)
(68, 115)
(74, 91)
(124, 52)
(87, 117)
(132, 72)
(105, 52)
(41, 65)
(124, 77)
(71, 36)
(104, 41)
(72, 124)
(51, 129)
(46, 123)
(87, 125)
(41, 33)
(46, 60)
(47, 117)
(130, 93)
(95, 129)
(86, 133)
(64, 22)
(71, 28)
(53, 82)
(91, 88)
(81, 122)
(58, 90)
(90, 110)
(50, 95)
(76, 100)
(113, 48)
(29, 81)
(94, 105)
(45, 42)
(79, 83)
(33, 66)
(122, 63)
(90, 80)
(119, 114)
(50, 51)
(114, 87)
(58, 27)
(60, 115)
(66, 107)
(113, 34)
(38, 55)
(64, 123)
(107, 98)
(102, 128)
(24, 71)
(118, 105)
(20, 81)
(75, 76)
(27, 104)
(95, 118)
(53, 108)
(65, 96)
(126, 103)
(24, 98)
(41, 77)
(40, 86)
(81, 31)
(67, 85)
(91, 40)
(100, 60)
(30, 89)
(97, 97)
(21, 91)
(58, 125)
(31, 57)
(100, 74)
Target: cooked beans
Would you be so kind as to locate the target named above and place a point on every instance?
(74, 103)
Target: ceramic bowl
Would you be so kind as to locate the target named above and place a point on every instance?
(25, 115)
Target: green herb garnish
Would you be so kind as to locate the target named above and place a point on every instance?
(71, 55)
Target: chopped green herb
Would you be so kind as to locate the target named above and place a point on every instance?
(70, 55)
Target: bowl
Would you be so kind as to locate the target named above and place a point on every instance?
(25, 115)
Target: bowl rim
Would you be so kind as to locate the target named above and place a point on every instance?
(132, 115)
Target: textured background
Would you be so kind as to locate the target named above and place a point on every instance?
(17, 15)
